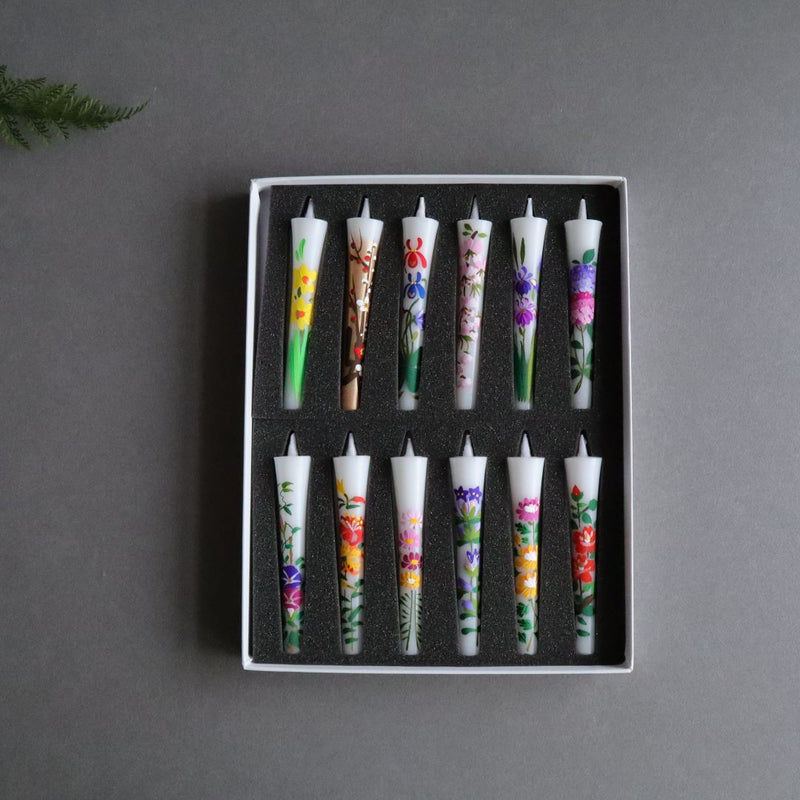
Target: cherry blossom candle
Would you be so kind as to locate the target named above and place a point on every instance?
(473, 242)
(419, 237)
(291, 485)
(363, 237)
(351, 472)
(583, 487)
(527, 245)
(583, 244)
(308, 240)
(408, 475)
(468, 473)
(525, 481)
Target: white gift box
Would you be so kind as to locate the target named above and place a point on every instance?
(257, 274)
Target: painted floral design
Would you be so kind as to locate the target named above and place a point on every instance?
(292, 572)
(583, 522)
(301, 313)
(472, 273)
(582, 279)
(409, 549)
(468, 516)
(526, 315)
(526, 572)
(351, 565)
(412, 314)
(362, 258)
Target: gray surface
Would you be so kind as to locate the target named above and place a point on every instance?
(122, 258)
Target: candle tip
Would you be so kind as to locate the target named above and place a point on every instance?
(421, 207)
(409, 449)
(309, 209)
(582, 449)
(467, 450)
(525, 446)
(350, 447)
(582, 209)
(365, 208)
(473, 214)
(291, 448)
(529, 207)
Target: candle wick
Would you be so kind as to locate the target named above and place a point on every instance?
(473, 214)
(525, 446)
(365, 208)
(421, 207)
(409, 451)
(350, 447)
(582, 449)
(291, 448)
(582, 209)
(467, 450)
(529, 208)
(309, 209)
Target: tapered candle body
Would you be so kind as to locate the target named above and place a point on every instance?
(527, 245)
(525, 481)
(473, 243)
(308, 240)
(583, 486)
(351, 472)
(408, 475)
(363, 241)
(583, 244)
(291, 485)
(468, 473)
(419, 238)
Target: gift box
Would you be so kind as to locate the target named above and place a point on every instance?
(380, 427)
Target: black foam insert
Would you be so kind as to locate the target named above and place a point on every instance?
(437, 427)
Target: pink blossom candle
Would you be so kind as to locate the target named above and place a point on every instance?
(583, 244)
(473, 242)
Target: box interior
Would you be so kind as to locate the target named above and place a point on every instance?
(437, 427)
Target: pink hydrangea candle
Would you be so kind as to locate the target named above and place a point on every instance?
(583, 244)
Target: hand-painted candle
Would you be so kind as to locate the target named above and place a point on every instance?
(291, 484)
(419, 237)
(308, 240)
(363, 240)
(525, 480)
(473, 245)
(352, 473)
(583, 486)
(527, 245)
(467, 473)
(583, 244)
(408, 474)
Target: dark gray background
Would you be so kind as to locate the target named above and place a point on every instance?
(122, 261)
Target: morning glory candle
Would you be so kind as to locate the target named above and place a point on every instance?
(351, 472)
(408, 476)
(291, 485)
(583, 244)
(525, 481)
(527, 245)
(467, 474)
(308, 240)
(419, 237)
(363, 238)
(473, 244)
(583, 487)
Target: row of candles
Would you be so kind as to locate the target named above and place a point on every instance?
(419, 236)
(409, 472)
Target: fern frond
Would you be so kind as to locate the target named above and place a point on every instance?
(48, 109)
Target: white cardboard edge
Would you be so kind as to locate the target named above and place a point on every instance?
(256, 186)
